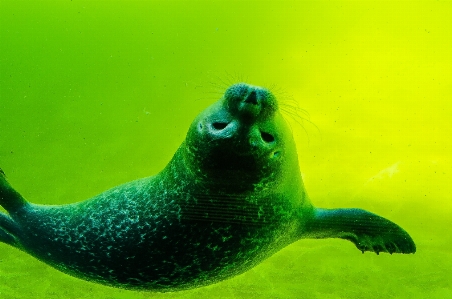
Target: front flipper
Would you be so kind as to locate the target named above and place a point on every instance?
(369, 232)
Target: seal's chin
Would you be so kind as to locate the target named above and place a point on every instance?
(238, 172)
(255, 150)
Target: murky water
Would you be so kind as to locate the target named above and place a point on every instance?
(96, 94)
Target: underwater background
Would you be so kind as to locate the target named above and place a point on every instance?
(97, 93)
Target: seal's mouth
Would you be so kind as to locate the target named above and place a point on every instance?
(242, 139)
(267, 137)
(220, 126)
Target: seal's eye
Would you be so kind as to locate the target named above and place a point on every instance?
(267, 137)
(219, 125)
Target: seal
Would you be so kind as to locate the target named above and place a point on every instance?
(231, 196)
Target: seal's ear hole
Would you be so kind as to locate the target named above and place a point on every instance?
(267, 137)
(219, 125)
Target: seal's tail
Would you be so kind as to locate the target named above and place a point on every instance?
(11, 200)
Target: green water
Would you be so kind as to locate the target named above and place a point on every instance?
(96, 93)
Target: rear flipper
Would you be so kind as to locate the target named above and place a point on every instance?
(7, 226)
(369, 232)
(11, 200)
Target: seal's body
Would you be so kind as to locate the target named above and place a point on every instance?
(231, 196)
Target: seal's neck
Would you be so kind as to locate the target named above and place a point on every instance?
(185, 171)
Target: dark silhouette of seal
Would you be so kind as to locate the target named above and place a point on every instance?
(231, 196)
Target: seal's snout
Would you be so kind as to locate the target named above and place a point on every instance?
(243, 123)
(250, 103)
(243, 118)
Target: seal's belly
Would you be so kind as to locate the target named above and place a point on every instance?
(128, 237)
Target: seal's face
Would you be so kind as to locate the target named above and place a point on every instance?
(239, 141)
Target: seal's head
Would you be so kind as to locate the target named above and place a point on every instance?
(240, 141)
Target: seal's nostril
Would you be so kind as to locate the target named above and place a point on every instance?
(219, 125)
(252, 98)
(267, 137)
